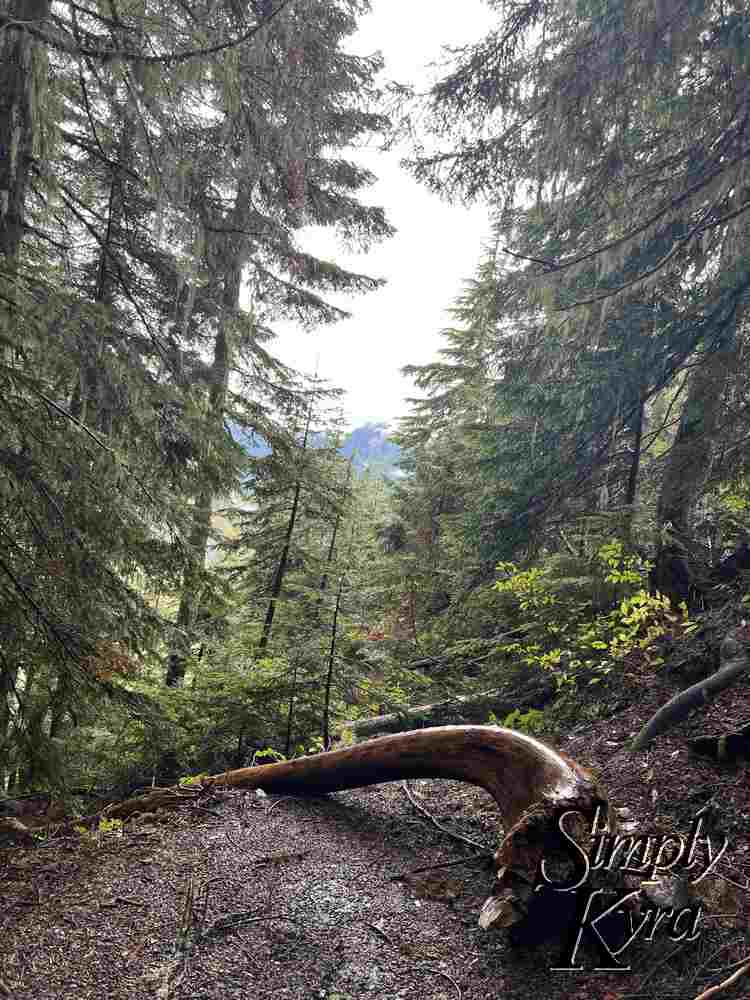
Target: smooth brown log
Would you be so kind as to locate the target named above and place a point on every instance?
(532, 784)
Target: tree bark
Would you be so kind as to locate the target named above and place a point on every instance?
(278, 578)
(18, 127)
(632, 485)
(688, 462)
(532, 784)
(332, 546)
(191, 589)
(329, 670)
(735, 664)
(191, 586)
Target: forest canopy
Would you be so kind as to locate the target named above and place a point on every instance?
(198, 561)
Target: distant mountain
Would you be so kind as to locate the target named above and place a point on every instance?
(372, 450)
(252, 444)
(369, 444)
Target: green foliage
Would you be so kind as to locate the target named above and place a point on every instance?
(623, 568)
(126, 352)
(109, 825)
(268, 756)
(582, 367)
(531, 721)
(92, 838)
(345, 738)
(604, 324)
(568, 637)
(637, 624)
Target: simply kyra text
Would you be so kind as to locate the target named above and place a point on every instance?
(649, 856)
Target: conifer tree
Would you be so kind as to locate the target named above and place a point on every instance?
(161, 158)
(613, 147)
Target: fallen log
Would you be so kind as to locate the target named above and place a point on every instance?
(734, 662)
(464, 709)
(532, 784)
(726, 747)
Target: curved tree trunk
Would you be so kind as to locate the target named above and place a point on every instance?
(532, 784)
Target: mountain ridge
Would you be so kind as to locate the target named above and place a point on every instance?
(368, 445)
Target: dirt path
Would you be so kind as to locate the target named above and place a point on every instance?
(311, 899)
(291, 899)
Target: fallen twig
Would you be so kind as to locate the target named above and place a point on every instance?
(438, 972)
(730, 981)
(279, 858)
(444, 829)
(284, 798)
(486, 856)
(382, 933)
(234, 843)
(239, 918)
(658, 965)
(717, 951)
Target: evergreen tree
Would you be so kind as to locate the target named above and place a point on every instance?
(613, 146)
(156, 160)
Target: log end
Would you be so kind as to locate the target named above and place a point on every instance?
(542, 834)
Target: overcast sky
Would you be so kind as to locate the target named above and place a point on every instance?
(435, 250)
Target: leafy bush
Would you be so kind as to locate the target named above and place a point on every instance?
(568, 633)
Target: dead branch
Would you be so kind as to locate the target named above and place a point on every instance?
(734, 664)
(437, 972)
(466, 709)
(532, 784)
(720, 987)
(443, 829)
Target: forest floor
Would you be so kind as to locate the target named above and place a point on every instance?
(312, 899)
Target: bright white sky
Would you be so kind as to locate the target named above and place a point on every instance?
(436, 248)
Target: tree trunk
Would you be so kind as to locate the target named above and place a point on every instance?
(191, 589)
(8, 678)
(290, 710)
(329, 671)
(734, 665)
(688, 462)
(473, 708)
(332, 546)
(18, 104)
(532, 784)
(635, 463)
(278, 577)
(191, 586)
